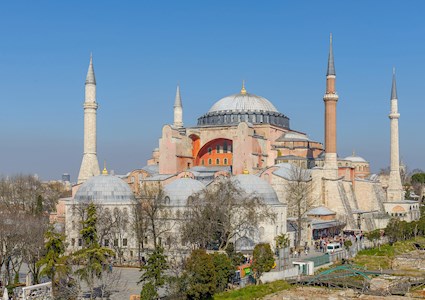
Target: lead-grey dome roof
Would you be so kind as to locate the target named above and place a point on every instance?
(242, 102)
(252, 184)
(104, 189)
(180, 190)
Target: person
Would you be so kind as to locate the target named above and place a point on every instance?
(306, 251)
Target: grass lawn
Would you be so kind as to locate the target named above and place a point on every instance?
(381, 257)
(254, 291)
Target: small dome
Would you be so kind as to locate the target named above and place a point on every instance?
(242, 102)
(180, 189)
(252, 184)
(354, 158)
(104, 189)
(320, 211)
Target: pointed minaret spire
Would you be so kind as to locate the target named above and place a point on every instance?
(178, 109)
(394, 87)
(395, 188)
(89, 165)
(178, 100)
(330, 99)
(331, 66)
(90, 79)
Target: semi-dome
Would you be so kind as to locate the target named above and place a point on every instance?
(243, 107)
(104, 189)
(242, 102)
(252, 184)
(178, 191)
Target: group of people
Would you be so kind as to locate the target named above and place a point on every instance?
(321, 245)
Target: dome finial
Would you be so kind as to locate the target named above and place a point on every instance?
(243, 90)
(105, 171)
(245, 169)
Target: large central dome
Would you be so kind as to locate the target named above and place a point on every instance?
(243, 107)
(243, 102)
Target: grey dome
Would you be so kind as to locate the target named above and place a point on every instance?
(180, 190)
(252, 184)
(243, 102)
(354, 158)
(104, 189)
(243, 107)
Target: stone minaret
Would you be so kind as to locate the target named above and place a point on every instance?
(89, 165)
(178, 110)
(330, 99)
(395, 189)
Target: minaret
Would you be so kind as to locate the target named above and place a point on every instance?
(89, 165)
(178, 110)
(330, 99)
(395, 189)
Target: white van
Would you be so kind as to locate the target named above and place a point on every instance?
(333, 247)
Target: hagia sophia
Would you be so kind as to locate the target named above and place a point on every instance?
(245, 138)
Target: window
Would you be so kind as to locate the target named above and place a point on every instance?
(202, 162)
(217, 161)
(225, 147)
(230, 148)
(80, 242)
(225, 161)
(124, 242)
(209, 161)
(209, 150)
(116, 243)
(218, 148)
(72, 242)
(146, 239)
(106, 243)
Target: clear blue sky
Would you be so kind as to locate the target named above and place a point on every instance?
(142, 49)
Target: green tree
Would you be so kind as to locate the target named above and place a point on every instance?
(373, 236)
(237, 258)
(153, 275)
(418, 182)
(92, 256)
(282, 241)
(393, 230)
(201, 278)
(224, 269)
(54, 263)
(263, 259)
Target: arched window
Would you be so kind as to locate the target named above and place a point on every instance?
(261, 231)
(225, 161)
(209, 150)
(209, 161)
(167, 200)
(217, 161)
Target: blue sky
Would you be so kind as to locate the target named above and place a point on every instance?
(142, 49)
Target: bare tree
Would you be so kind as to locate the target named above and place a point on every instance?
(33, 246)
(218, 214)
(139, 225)
(110, 282)
(299, 187)
(154, 212)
